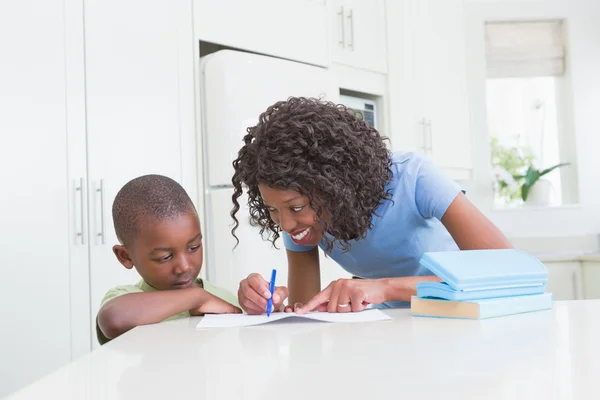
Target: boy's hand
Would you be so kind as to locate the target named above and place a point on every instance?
(254, 293)
(213, 305)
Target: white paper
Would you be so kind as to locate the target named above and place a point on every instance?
(236, 320)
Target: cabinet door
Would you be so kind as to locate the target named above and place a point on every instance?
(35, 217)
(427, 82)
(442, 61)
(291, 29)
(77, 178)
(591, 279)
(357, 33)
(405, 98)
(139, 74)
(564, 280)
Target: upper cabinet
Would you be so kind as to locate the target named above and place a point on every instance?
(357, 33)
(291, 29)
(429, 110)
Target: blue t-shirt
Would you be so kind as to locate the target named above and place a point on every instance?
(403, 229)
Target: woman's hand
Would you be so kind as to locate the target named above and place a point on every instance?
(254, 293)
(347, 295)
(295, 308)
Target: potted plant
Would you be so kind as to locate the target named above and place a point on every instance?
(509, 164)
(515, 177)
(536, 191)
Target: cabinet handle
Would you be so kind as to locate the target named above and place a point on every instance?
(351, 19)
(342, 41)
(429, 137)
(101, 191)
(80, 233)
(576, 292)
(423, 135)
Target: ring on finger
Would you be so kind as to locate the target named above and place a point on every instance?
(343, 305)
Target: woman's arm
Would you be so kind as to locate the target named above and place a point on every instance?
(470, 229)
(304, 275)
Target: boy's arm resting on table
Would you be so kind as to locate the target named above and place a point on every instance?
(127, 311)
(304, 275)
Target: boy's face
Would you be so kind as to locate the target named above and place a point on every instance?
(167, 253)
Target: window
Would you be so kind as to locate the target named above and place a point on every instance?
(526, 113)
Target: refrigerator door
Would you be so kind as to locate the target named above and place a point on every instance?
(228, 266)
(236, 88)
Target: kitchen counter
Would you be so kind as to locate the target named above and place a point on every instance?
(592, 257)
(567, 256)
(553, 354)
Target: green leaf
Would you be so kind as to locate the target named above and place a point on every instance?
(524, 191)
(531, 176)
(545, 171)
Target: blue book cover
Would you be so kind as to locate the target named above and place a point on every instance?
(482, 308)
(442, 290)
(478, 274)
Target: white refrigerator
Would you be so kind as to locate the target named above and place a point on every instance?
(236, 87)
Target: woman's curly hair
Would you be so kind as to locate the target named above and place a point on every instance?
(321, 150)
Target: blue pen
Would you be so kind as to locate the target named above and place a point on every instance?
(271, 289)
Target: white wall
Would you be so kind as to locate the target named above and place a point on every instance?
(583, 52)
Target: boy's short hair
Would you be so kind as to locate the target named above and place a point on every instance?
(148, 197)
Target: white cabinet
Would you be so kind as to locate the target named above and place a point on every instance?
(591, 279)
(429, 109)
(291, 29)
(565, 280)
(77, 123)
(357, 33)
(140, 113)
(41, 52)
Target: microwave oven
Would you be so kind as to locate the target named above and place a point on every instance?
(365, 107)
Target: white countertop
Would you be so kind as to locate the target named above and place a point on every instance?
(552, 354)
(595, 257)
(567, 256)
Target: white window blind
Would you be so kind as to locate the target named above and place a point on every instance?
(524, 49)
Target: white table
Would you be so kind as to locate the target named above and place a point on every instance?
(551, 354)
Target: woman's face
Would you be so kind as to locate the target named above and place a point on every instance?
(292, 212)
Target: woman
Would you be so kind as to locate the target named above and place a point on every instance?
(319, 176)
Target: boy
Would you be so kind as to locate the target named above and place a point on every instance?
(159, 234)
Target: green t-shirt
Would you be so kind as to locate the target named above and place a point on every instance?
(142, 286)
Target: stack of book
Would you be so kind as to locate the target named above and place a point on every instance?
(478, 284)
